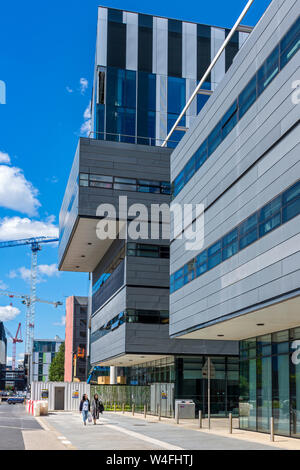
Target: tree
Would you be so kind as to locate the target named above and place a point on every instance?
(57, 366)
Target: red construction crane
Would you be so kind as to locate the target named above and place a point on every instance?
(15, 340)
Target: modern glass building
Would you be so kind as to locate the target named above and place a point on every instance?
(146, 69)
(43, 353)
(241, 159)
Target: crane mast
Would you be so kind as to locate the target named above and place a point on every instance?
(34, 243)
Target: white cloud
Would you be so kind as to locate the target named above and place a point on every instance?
(4, 157)
(3, 285)
(8, 312)
(83, 85)
(16, 192)
(87, 124)
(62, 321)
(69, 90)
(48, 270)
(43, 270)
(14, 228)
(23, 273)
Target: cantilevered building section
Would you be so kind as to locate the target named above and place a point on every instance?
(241, 158)
(146, 69)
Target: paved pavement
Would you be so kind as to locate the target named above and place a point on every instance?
(115, 431)
(13, 422)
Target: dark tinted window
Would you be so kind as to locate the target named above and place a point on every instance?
(116, 44)
(145, 36)
(247, 97)
(231, 49)
(175, 48)
(203, 50)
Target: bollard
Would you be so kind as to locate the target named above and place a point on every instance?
(159, 413)
(272, 429)
(123, 408)
(133, 410)
(115, 409)
(177, 414)
(230, 423)
(200, 419)
(145, 411)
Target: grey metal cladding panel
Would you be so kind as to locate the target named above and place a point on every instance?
(147, 271)
(91, 198)
(147, 298)
(69, 209)
(278, 169)
(257, 131)
(109, 256)
(110, 309)
(112, 344)
(199, 288)
(155, 339)
(242, 281)
(118, 154)
(243, 67)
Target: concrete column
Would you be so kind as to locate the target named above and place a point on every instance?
(113, 375)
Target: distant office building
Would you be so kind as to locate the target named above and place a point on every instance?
(3, 349)
(15, 379)
(43, 353)
(76, 339)
(146, 69)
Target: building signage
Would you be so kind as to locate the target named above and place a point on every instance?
(44, 394)
(75, 394)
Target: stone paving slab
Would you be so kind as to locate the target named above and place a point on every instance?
(116, 431)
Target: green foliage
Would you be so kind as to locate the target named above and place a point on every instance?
(57, 367)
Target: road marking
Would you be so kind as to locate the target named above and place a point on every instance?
(66, 442)
(142, 437)
(21, 429)
(61, 437)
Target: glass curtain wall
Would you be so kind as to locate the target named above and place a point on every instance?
(192, 383)
(270, 383)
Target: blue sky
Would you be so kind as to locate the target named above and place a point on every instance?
(46, 60)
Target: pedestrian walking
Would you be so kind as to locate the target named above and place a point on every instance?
(97, 407)
(84, 408)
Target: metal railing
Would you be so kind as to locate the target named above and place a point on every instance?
(134, 139)
(211, 66)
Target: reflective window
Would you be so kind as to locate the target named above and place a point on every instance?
(127, 184)
(229, 120)
(247, 97)
(268, 70)
(176, 95)
(281, 209)
(214, 139)
(201, 155)
(289, 45)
